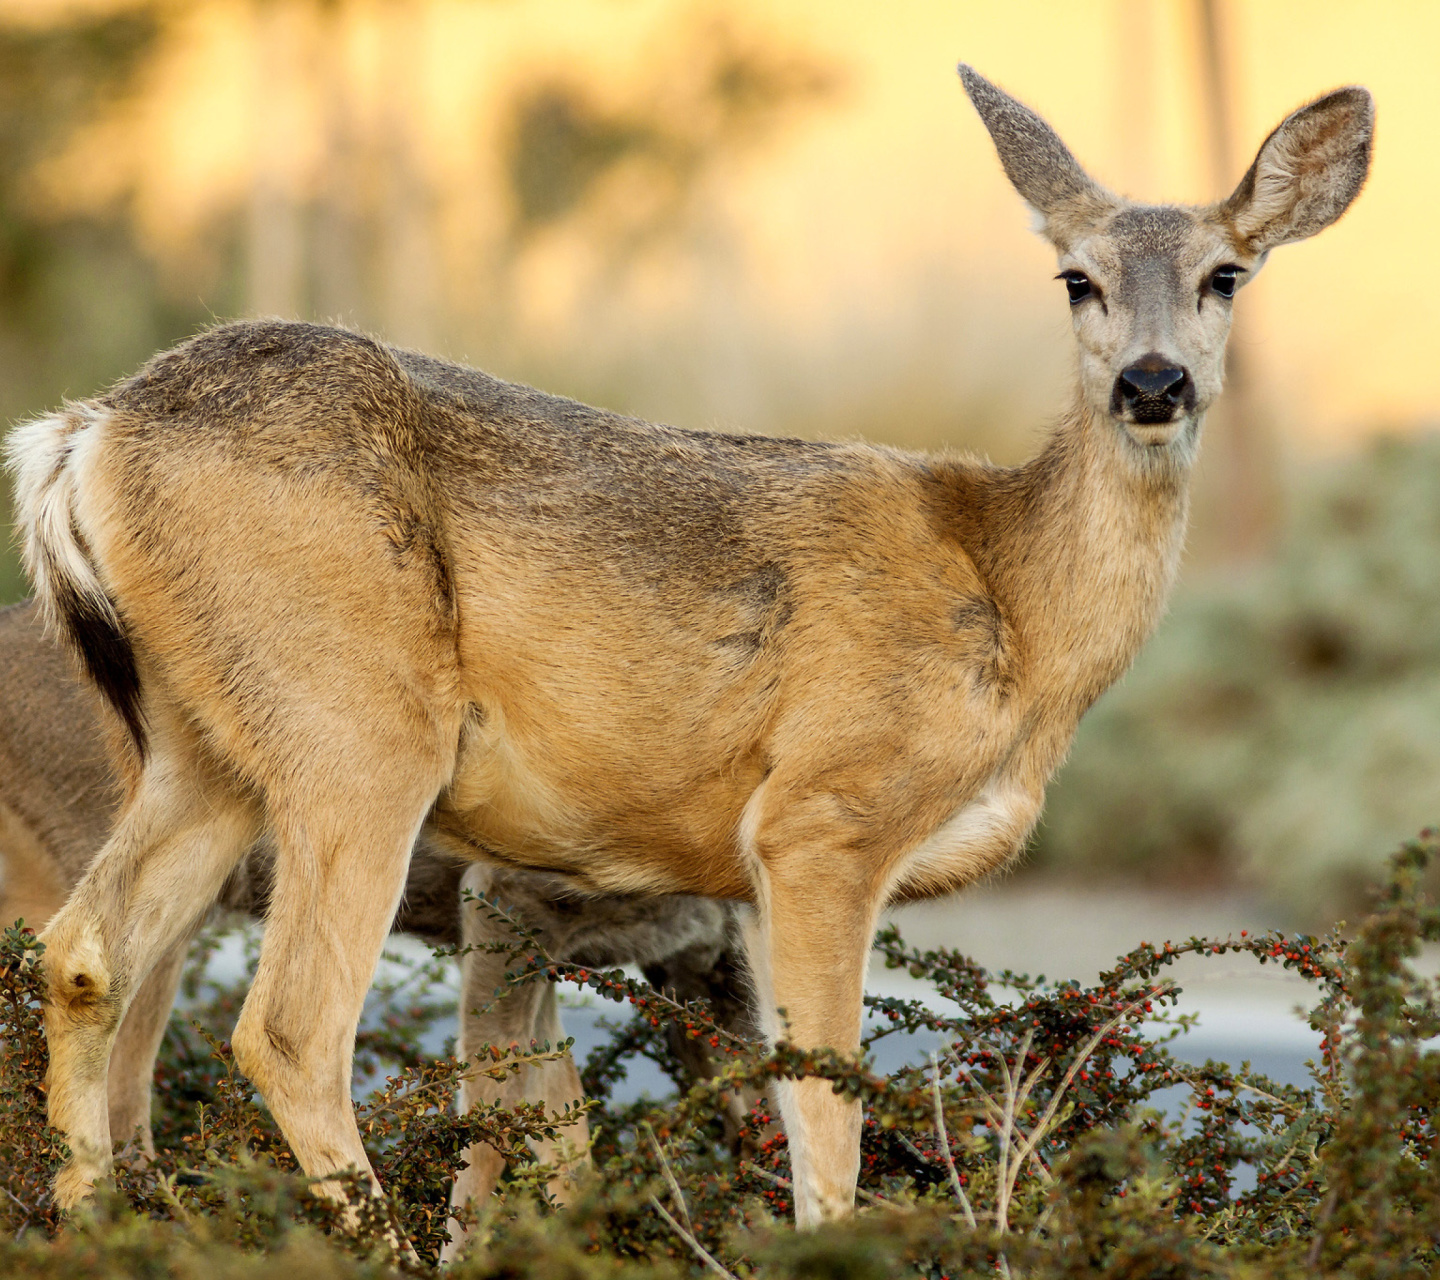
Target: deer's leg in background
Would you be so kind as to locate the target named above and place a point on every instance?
(720, 977)
(557, 1085)
(491, 1013)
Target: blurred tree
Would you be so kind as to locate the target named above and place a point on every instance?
(274, 249)
(336, 215)
(625, 192)
(560, 145)
(53, 80)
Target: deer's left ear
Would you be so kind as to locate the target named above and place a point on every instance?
(1306, 173)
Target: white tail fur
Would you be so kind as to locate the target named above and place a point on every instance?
(40, 454)
(46, 455)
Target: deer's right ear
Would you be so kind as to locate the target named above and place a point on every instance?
(1306, 173)
(1038, 164)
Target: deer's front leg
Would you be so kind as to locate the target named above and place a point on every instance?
(808, 943)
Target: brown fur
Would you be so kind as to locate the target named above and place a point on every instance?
(359, 583)
(58, 798)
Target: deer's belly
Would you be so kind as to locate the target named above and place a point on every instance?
(609, 829)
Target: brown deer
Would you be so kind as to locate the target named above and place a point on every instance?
(58, 798)
(339, 589)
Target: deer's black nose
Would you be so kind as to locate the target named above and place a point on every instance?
(1167, 381)
(1152, 389)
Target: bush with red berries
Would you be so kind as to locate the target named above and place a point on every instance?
(1031, 1144)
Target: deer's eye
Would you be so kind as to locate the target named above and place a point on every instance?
(1224, 279)
(1077, 285)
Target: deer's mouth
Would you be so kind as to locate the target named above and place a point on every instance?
(1154, 435)
(1151, 411)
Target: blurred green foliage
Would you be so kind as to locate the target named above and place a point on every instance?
(82, 302)
(1279, 725)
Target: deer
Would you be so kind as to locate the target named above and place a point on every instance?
(58, 799)
(344, 590)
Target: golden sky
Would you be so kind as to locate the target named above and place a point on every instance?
(864, 251)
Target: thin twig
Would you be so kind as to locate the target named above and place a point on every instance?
(1285, 1159)
(1312, 1258)
(868, 1196)
(675, 1192)
(1221, 1219)
(945, 1146)
(1016, 1094)
(1038, 1132)
(1030, 1082)
(166, 1187)
(997, 1113)
(696, 1247)
(1003, 1174)
(1289, 1107)
(766, 1174)
(25, 1222)
(473, 1069)
(1039, 1228)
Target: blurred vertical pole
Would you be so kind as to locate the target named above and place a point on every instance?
(1134, 121)
(274, 242)
(407, 234)
(1242, 450)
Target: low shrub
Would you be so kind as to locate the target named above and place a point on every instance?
(1032, 1144)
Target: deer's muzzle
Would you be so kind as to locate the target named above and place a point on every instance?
(1151, 390)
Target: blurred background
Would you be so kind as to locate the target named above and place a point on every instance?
(782, 216)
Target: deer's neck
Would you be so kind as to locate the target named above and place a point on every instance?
(1080, 547)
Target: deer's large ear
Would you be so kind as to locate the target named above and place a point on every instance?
(1306, 173)
(1038, 164)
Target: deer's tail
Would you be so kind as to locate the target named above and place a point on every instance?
(45, 457)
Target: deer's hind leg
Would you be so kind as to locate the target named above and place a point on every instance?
(132, 1060)
(185, 827)
(344, 831)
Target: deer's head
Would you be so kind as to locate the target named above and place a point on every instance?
(1150, 286)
